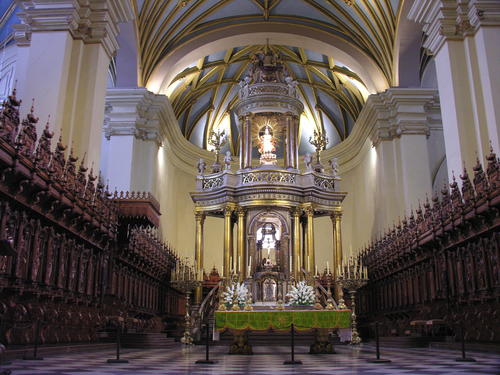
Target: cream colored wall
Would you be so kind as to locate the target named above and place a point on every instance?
(172, 188)
(364, 206)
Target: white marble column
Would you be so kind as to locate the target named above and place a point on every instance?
(64, 51)
(463, 37)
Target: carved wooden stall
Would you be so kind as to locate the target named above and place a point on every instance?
(441, 264)
(59, 225)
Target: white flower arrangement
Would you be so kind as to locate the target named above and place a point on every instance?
(235, 292)
(302, 294)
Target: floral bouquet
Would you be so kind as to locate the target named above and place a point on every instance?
(235, 293)
(302, 294)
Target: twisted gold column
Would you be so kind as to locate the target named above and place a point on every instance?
(296, 244)
(198, 255)
(242, 259)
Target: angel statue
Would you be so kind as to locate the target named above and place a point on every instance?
(227, 160)
(201, 166)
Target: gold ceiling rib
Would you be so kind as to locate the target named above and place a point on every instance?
(163, 25)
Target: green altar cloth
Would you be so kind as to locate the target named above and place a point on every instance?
(264, 320)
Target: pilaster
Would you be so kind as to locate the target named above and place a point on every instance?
(91, 21)
(403, 120)
(64, 51)
(131, 138)
(463, 37)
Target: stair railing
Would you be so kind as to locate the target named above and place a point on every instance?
(209, 305)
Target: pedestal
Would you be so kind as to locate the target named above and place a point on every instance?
(322, 344)
(240, 343)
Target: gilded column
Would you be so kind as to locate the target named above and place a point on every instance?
(296, 244)
(245, 141)
(241, 260)
(227, 241)
(295, 144)
(198, 255)
(336, 218)
(310, 260)
(288, 157)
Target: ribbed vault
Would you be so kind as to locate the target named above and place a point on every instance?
(203, 94)
(367, 25)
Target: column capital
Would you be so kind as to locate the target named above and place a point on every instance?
(296, 211)
(399, 111)
(228, 210)
(241, 211)
(133, 112)
(309, 210)
(336, 215)
(200, 216)
(92, 21)
(444, 20)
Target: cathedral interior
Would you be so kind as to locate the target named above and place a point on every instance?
(249, 186)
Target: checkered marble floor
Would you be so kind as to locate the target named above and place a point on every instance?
(265, 361)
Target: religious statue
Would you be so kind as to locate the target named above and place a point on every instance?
(201, 166)
(308, 161)
(267, 146)
(227, 161)
(292, 91)
(335, 166)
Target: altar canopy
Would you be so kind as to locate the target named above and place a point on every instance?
(282, 320)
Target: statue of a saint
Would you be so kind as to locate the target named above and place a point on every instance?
(227, 161)
(267, 142)
(201, 166)
(334, 164)
(308, 161)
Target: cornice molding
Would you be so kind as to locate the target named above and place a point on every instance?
(385, 116)
(132, 113)
(92, 21)
(444, 20)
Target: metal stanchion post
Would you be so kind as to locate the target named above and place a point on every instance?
(463, 358)
(35, 357)
(293, 361)
(207, 360)
(377, 343)
(118, 334)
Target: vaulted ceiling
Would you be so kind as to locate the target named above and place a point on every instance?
(204, 93)
(367, 25)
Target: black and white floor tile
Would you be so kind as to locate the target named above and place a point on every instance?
(266, 361)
